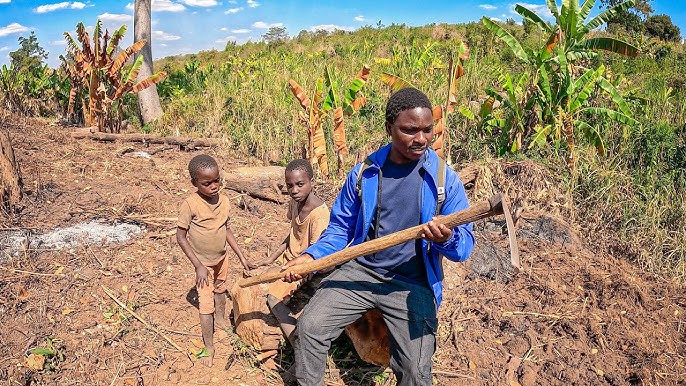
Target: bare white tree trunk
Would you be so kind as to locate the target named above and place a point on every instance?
(148, 99)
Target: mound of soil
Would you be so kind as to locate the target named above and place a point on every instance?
(571, 316)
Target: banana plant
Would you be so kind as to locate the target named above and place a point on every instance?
(311, 117)
(570, 32)
(98, 70)
(571, 107)
(351, 103)
(319, 107)
(560, 90)
(440, 112)
(516, 117)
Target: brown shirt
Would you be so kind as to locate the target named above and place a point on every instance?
(206, 225)
(304, 232)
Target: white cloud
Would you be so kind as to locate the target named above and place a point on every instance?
(539, 9)
(4, 2)
(162, 45)
(330, 28)
(5, 48)
(263, 25)
(226, 39)
(167, 6)
(163, 36)
(240, 31)
(129, 6)
(488, 7)
(253, 4)
(359, 18)
(233, 10)
(233, 2)
(200, 3)
(13, 28)
(496, 19)
(223, 29)
(57, 6)
(112, 17)
(59, 42)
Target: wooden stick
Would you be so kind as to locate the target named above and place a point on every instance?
(481, 210)
(109, 293)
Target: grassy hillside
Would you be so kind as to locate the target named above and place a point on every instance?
(635, 190)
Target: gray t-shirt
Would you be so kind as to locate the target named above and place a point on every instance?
(400, 206)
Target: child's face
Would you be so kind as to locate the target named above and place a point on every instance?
(207, 181)
(298, 184)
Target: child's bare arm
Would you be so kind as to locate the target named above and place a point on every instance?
(277, 252)
(234, 246)
(201, 271)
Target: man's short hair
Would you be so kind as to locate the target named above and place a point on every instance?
(301, 164)
(200, 162)
(405, 99)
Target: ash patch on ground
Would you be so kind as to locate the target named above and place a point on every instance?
(88, 233)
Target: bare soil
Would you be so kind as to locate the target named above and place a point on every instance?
(573, 315)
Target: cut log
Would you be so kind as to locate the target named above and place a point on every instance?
(369, 335)
(261, 182)
(182, 142)
(11, 182)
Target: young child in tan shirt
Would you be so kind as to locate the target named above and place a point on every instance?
(308, 214)
(203, 232)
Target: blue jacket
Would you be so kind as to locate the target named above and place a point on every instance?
(351, 217)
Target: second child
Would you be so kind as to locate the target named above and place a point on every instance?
(203, 233)
(308, 213)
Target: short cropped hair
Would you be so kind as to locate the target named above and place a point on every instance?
(405, 99)
(301, 164)
(200, 162)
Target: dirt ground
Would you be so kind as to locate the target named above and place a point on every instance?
(572, 316)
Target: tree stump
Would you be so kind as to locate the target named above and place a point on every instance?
(260, 329)
(11, 182)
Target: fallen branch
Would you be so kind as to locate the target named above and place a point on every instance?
(183, 142)
(30, 273)
(109, 293)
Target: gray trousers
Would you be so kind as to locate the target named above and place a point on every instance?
(409, 311)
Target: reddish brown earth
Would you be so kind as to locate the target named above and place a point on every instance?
(572, 316)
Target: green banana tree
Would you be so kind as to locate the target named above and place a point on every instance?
(570, 109)
(559, 92)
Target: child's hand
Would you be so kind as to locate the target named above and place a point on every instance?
(201, 274)
(253, 265)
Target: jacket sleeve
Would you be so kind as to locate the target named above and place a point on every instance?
(461, 243)
(342, 222)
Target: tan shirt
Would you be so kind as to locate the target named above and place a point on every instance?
(206, 225)
(304, 232)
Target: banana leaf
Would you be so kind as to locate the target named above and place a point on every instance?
(510, 40)
(534, 18)
(395, 82)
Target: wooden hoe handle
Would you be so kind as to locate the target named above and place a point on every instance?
(492, 207)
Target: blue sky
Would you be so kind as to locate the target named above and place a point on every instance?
(189, 26)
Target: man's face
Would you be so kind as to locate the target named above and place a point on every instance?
(207, 181)
(411, 134)
(298, 184)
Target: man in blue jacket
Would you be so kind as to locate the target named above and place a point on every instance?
(397, 190)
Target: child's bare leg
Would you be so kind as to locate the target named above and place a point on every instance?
(207, 327)
(220, 310)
